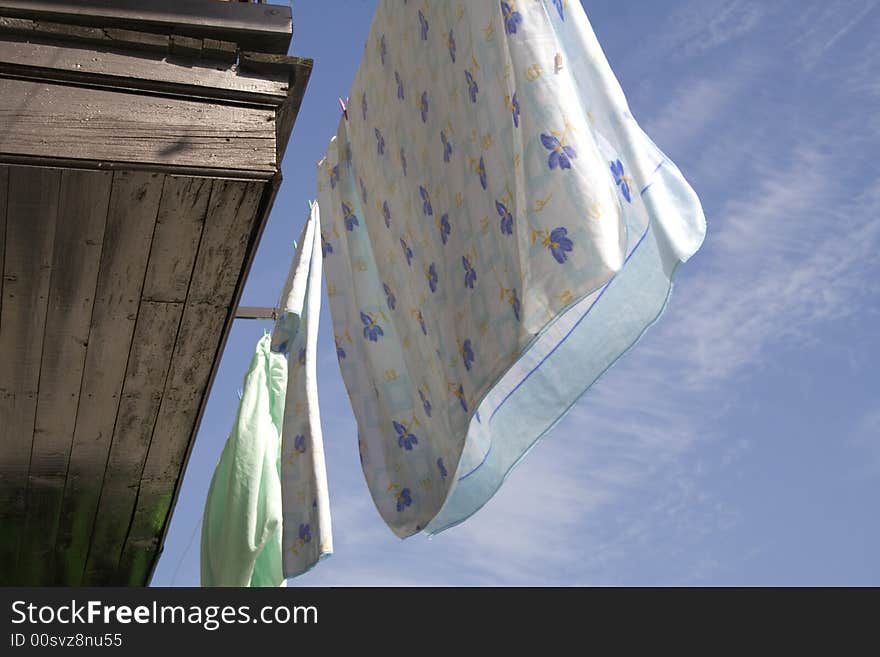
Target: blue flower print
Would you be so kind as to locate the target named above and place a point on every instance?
(421, 320)
(512, 18)
(363, 190)
(514, 303)
(305, 533)
(426, 403)
(372, 330)
(340, 352)
(405, 438)
(333, 174)
(403, 160)
(481, 172)
(559, 8)
(559, 244)
(467, 354)
(621, 180)
(389, 296)
(514, 109)
(423, 106)
(326, 247)
(426, 202)
(382, 49)
(445, 228)
(349, 217)
(431, 274)
(506, 218)
(461, 399)
(470, 274)
(560, 154)
(364, 105)
(423, 26)
(447, 146)
(404, 499)
(450, 43)
(399, 85)
(472, 86)
(299, 444)
(301, 356)
(380, 142)
(442, 469)
(406, 251)
(386, 213)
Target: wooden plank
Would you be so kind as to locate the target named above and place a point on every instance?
(230, 228)
(96, 124)
(79, 234)
(4, 186)
(176, 238)
(134, 204)
(139, 70)
(255, 26)
(148, 362)
(30, 232)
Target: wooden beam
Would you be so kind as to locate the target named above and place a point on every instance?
(79, 235)
(52, 122)
(134, 204)
(30, 233)
(255, 26)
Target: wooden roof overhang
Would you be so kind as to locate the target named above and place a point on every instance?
(137, 170)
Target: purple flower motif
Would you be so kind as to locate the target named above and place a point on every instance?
(481, 172)
(389, 296)
(445, 228)
(382, 49)
(560, 154)
(364, 105)
(372, 330)
(301, 356)
(506, 218)
(450, 43)
(514, 303)
(558, 244)
(404, 499)
(333, 174)
(423, 106)
(299, 444)
(467, 354)
(432, 277)
(380, 142)
(421, 319)
(442, 469)
(326, 247)
(349, 217)
(386, 213)
(426, 403)
(472, 86)
(470, 274)
(340, 352)
(305, 533)
(461, 399)
(447, 146)
(559, 8)
(514, 108)
(403, 160)
(399, 85)
(426, 202)
(512, 18)
(406, 251)
(621, 180)
(363, 191)
(405, 438)
(424, 26)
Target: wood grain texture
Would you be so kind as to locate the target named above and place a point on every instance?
(141, 70)
(53, 121)
(32, 208)
(4, 186)
(176, 238)
(79, 235)
(131, 218)
(148, 361)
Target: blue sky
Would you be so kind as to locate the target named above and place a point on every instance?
(756, 456)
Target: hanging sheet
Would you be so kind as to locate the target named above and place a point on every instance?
(500, 231)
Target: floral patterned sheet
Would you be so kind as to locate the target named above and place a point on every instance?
(498, 231)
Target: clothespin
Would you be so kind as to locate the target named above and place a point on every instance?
(343, 108)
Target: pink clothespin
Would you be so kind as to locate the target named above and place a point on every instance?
(343, 108)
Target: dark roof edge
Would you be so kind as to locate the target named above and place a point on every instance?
(261, 27)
